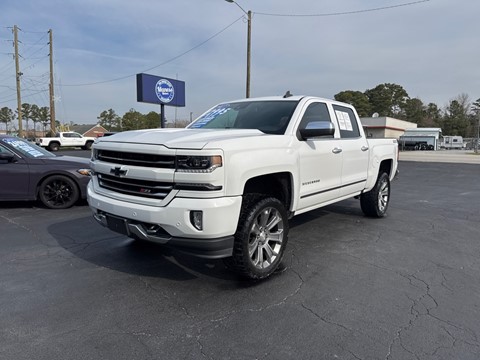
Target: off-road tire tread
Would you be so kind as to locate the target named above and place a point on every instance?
(237, 262)
(369, 200)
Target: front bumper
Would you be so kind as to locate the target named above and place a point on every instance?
(170, 225)
(207, 248)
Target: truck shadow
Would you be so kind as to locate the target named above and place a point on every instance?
(346, 207)
(87, 240)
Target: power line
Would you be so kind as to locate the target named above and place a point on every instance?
(345, 12)
(163, 63)
(24, 96)
(32, 32)
(32, 65)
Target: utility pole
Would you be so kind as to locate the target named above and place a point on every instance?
(249, 43)
(17, 75)
(249, 46)
(51, 86)
(477, 140)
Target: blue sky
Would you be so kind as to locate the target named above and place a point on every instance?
(429, 48)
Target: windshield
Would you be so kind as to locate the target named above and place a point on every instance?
(26, 148)
(270, 117)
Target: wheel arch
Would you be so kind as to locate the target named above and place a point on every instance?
(386, 167)
(277, 185)
(63, 173)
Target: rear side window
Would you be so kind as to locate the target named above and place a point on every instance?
(347, 122)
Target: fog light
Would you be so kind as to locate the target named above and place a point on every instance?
(196, 218)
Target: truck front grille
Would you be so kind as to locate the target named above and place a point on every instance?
(144, 188)
(136, 159)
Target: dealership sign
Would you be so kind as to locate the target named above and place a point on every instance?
(160, 90)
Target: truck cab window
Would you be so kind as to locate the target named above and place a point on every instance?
(346, 122)
(316, 112)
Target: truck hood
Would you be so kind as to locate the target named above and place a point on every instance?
(180, 138)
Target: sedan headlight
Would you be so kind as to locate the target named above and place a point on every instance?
(85, 172)
(202, 164)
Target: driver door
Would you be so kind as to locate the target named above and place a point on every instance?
(320, 162)
(15, 177)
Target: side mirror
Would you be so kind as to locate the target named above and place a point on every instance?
(317, 129)
(6, 157)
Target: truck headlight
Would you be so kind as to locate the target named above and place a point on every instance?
(204, 164)
(93, 154)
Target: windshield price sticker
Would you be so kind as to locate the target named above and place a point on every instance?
(23, 147)
(205, 119)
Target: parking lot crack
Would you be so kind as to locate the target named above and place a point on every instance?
(200, 346)
(414, 314)
(24, 227)
(429, 304)
(384, 268)
(444, 282)
(266, 307)
(443, 347)
(325, 320)
(354, 355)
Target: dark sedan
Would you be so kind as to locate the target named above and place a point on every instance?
(29, 172)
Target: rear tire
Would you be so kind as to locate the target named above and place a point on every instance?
(261, 237)
(375, 202)
(53, 146)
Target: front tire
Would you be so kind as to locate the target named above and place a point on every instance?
(375, 202)
(58, 192)
(261, 237)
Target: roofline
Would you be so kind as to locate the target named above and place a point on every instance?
(290, 98)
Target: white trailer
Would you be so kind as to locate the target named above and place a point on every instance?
(452, 142)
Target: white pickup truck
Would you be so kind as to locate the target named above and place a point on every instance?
(225, 186)
(65, 139)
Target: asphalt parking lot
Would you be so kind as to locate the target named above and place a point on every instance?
(403, 287)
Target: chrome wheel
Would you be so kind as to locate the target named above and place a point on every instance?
(374, 203)
(261, 237)
(383, 195)
(266, 237)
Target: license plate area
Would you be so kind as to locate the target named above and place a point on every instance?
(118, 225)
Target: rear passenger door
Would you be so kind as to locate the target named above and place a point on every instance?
(320, 161)
(72, 139)
(355, 151)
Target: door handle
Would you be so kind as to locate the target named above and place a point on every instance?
(364, 148)
(337, 150)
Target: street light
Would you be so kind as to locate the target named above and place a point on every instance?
(249, 43)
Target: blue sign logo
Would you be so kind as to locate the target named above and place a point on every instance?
(164, 90)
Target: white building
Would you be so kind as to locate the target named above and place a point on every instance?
(385, 127)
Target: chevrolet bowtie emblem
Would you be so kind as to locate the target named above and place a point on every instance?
(118, 171)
